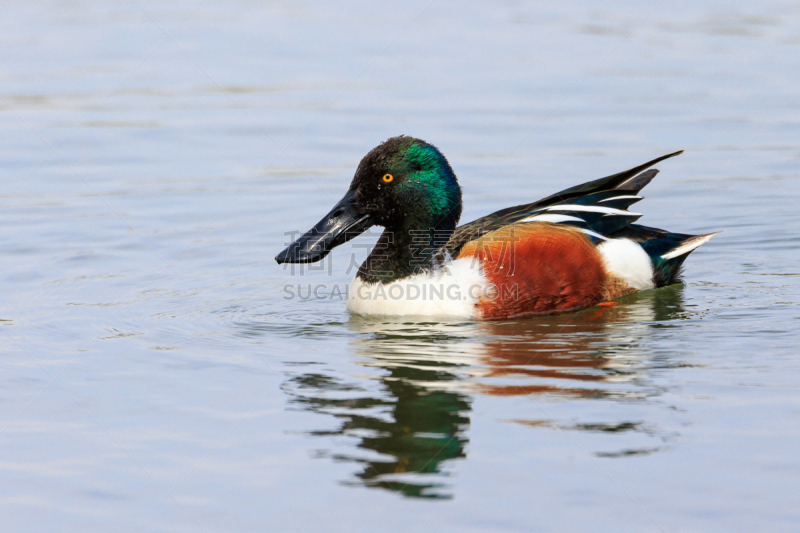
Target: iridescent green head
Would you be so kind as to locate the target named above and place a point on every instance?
(404, 184)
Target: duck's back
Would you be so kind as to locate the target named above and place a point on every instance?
(572, 250)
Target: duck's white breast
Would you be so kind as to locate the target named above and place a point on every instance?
(451, 291)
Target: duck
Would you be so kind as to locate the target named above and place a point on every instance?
(576, 249)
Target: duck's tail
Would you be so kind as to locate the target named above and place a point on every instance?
(668, 254)
(667, 250)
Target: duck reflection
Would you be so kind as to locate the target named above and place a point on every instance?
(586, 354)
(411, 425)
(409, 415)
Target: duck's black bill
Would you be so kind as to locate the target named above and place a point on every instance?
(344, 222)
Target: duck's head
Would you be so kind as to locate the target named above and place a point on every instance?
(403, 184)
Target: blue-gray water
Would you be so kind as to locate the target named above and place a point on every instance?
(156, 378)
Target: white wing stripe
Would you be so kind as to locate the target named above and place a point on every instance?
(593, 209)
(594, 234)
(629, 197)
(555, 219)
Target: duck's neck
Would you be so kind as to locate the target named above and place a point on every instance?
(406, 251)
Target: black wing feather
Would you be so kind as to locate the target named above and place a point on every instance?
(627, 183)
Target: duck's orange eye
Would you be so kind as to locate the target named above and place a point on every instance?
(387, 178)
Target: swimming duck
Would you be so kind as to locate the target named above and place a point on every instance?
(575, 249)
